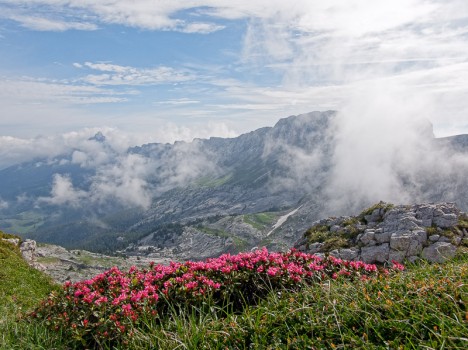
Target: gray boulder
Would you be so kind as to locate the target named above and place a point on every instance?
(28, 250)
(439, 252)
(377, 253)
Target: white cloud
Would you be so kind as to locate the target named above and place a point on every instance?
(3, 204)
(124, 181)
(76, 14)
(122, 177)
(125, 75)
(63, 193)
(179, 101)
(31, 90)
(47, 24)
(15, 150)
(202, 28)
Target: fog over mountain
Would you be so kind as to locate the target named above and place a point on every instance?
(320, 163)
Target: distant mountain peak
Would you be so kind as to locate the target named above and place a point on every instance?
(98, 137)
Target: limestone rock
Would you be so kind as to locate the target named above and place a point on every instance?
(28, 250)
(350, 254)
(367, 237)
(399, 233)
(396, 255)
(382, 237)
(439, 252)
(377, 253)
(446, 215)
(14, 241)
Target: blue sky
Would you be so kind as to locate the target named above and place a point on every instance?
(163, 70)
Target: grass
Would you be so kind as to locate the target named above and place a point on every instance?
(213, 231)
(260, 220)
(368, 211)
(21, 288)
(210, 182)
(424, 307)
(25, 222)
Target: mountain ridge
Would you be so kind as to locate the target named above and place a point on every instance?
(209, 184)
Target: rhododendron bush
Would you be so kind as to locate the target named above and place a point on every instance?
(109, 305)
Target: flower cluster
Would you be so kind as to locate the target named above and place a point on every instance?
(110, 304)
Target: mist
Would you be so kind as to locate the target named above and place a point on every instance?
(396, 70)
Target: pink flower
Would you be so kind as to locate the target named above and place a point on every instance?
(397, 265)
(273, 271)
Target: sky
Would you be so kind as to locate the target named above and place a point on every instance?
(163, 70)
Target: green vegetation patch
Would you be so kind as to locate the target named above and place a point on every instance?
(207, 181)
(260, 220)
(463, 221)
(344, 237)
(453, 232)
(21, 285)
(381, 205)
(21, 289)
(25, 222)
(213, 231)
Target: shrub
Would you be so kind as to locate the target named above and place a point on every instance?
(105, 309)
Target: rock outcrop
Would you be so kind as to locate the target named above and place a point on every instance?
(28, 251)
(385, 232)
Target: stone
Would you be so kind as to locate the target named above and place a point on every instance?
(408, 223)
(374, 217)
(28, 250)
(434, 238)
(350, 254)
(445, 239)
(396, 255)
(413, 259)
(367, 237)
(457, 240)
(439, 252)
(315, 247)
(401, 240)
(407, 242)
(425, 213)
(382, 237)
(377, 253)
(446, 215)
(421, 235)
(14, 241)
(414, 249)
(446, 220)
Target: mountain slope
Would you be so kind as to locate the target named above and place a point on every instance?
(184, 197)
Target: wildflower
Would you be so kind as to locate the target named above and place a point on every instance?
(272, 271)
(397, 265)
